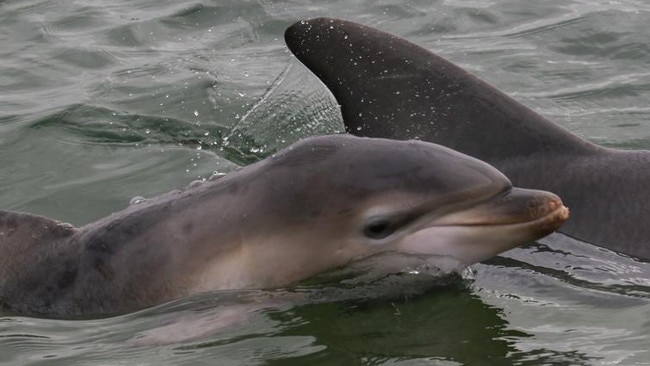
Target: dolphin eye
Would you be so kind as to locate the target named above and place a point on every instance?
(378, 229)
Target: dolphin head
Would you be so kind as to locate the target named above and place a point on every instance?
(343, 198)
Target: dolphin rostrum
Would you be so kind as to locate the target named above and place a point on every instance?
(391, 88)
(314, 206)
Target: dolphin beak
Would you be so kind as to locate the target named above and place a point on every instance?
(490, 227)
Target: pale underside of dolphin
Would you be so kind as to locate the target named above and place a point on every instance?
(391, 88)
(317, 205)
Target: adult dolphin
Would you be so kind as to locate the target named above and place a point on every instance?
(315, 206)
(388, 87)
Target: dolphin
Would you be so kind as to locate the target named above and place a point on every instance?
(319, 204)
(391, 88)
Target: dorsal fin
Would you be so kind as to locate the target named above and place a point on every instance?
(388, 87)
(20, 232)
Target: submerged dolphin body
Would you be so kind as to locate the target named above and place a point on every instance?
(317, 205)
(391, 88)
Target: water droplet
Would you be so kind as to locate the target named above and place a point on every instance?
(65, 226)
(216, 175)
(137, 200)
(196, 183)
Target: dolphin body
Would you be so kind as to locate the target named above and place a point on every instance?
(391, 88)
(314, 206)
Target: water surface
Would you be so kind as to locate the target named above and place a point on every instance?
(100, 103)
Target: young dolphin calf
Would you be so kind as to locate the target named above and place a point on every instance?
(388, 87)
(312, 207)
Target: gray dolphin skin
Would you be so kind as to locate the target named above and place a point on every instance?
(317, 205)
(391, 88)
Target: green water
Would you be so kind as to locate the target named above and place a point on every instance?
(100, 103)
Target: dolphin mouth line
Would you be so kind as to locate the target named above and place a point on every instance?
(558, 216)
(476, 240)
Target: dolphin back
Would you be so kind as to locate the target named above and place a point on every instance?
(387, 86)
(22, 239)
(20, 233)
